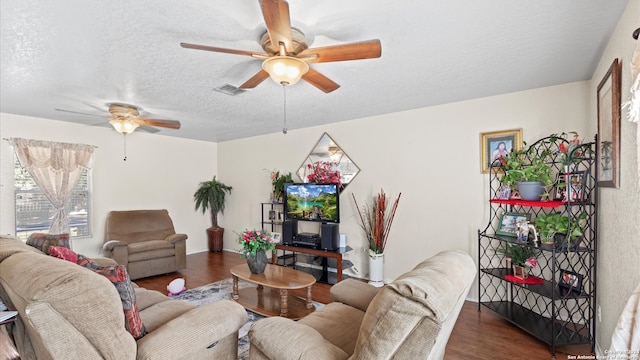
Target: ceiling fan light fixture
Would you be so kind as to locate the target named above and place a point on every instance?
(124, 126)
(285, 70)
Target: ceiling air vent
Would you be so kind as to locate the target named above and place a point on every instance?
(230, 90)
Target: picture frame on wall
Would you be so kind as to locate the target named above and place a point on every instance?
(510, 223)
(570, 280)
(496, 143)
(575, 192)
(608, 145)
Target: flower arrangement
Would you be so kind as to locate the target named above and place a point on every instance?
(376, 220)
(254, 240)
(520, 255)
(277, 182)
(567, 153)
(324, 172)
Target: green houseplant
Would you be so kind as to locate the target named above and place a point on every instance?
(555, 224)
(525, 169)
(277, 182)
(522, 258)
(211, 196)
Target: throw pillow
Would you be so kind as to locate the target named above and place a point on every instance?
(63, 253)
(119, 277)
(43, 241)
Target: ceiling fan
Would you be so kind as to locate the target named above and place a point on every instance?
(126, 118)
(287, 57)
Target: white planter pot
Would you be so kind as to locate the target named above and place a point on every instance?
(376, 269)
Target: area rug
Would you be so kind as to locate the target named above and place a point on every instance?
(221, 290)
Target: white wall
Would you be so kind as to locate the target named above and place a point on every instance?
(161, 172)
(431, 155)
(619, 210)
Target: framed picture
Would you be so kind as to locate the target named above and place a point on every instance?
(504, 192)
(510, 223)
(570, 280)
(576, 181)
(608, 161)
(494, 144)
(272, 215)
(277, 237)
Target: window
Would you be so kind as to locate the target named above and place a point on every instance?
(34, 211)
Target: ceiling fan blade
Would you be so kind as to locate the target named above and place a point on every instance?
(320, 81)
(171, 124)
(255, 80)
(224, 50)
(79, 113)
(276, 17)
(354, 51)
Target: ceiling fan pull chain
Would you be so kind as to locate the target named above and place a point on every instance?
(284, 109)
(125, 147)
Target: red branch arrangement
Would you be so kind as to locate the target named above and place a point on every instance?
(376, 220)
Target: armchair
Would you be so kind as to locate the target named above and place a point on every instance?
(145, 241)
(410, 318)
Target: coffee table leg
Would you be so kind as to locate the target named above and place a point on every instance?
(284, 305)
(235, 295)
(309, 302)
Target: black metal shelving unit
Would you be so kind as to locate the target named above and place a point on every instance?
(272, 224)
(553, 314)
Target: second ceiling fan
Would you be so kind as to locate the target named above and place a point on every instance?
(287, 57)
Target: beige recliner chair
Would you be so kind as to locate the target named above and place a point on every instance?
(145, 242)
(410, 318)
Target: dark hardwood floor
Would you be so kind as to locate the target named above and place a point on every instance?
(477, 335)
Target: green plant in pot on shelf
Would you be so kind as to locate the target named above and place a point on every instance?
(555, 224)
(211, 195)
(277, 182)
(529, 172)
(520, 256)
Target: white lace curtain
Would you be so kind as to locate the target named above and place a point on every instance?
(56, 169)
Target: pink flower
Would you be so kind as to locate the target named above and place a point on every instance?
(531, 262)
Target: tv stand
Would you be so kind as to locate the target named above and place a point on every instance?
(325, 254)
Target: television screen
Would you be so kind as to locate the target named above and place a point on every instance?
(312, 202)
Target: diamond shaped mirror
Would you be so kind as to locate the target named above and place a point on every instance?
(326, 163)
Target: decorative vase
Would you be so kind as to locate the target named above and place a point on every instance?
(520, 272)
(258, 262)
(376, 269)
(530, 190)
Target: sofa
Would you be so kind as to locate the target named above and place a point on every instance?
(66, 311)
(144, 241)
(410, 318)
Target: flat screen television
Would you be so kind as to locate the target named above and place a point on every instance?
(312, 202)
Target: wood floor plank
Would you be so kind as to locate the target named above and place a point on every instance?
(476, 335)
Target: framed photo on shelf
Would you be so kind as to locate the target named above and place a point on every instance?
(570, 280)
(277, 237)
(272, 215)
(576, 188)
(496, 143)
(510, 223)
(504, 192)
(608, 146)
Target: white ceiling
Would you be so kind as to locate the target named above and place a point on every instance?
(78, 55)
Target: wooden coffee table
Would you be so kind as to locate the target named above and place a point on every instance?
(271, 297)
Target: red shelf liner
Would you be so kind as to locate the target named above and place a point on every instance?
(544, 204)
(531, 280)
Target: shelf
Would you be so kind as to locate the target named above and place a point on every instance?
(547, 289)
(515, 202)
(541, 327)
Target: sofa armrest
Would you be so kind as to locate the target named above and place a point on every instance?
(272, 338)
(112, 244)
(176, 237)
(354, 293)
(103, 261)
(194, 330)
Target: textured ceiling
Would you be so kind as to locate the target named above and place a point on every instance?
(78, 55)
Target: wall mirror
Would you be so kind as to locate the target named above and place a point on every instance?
(327, 155)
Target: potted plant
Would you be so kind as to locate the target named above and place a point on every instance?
(211, 196)
(528, 171)
(277, 182)
(555, 226)
(376, 220)
(255, 244)
(522, 258)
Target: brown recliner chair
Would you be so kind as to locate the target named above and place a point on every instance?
(145, 242)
